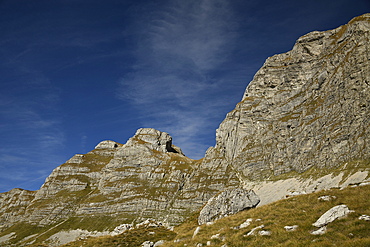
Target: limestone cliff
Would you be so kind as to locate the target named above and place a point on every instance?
(148, 177)
(307, 108)
(303, 125)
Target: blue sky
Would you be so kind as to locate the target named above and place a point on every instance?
(74, 73)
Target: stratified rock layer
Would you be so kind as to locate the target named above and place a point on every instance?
(309, 107)
(148, 177)
(227, 203)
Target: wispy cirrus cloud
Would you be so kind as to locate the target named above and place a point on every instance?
(178, 81)
(29, 147)
(30, 129)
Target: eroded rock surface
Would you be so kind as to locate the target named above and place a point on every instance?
(147, 177)
(227, 203)
(309, 107)
(331, 215)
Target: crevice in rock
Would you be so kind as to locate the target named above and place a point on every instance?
(170, 149)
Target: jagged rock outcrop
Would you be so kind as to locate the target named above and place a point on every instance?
(13, 205)
(227, 203)
(309, 107)
(107, 145)
(147, 177)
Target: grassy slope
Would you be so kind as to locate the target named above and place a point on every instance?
(278, 211)
(129, 238)
(300, 210)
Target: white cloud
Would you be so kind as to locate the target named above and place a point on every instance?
(197, 31)
(179, 49)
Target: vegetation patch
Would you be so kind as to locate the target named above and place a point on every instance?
(131, 238)
(300, 210)
(314, 172)
(92, 223)
(22, 230)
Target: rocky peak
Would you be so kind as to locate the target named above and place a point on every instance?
(107, 145)
(155, 140)
(148, 177)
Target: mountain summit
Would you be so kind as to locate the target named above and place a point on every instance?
(303, 125)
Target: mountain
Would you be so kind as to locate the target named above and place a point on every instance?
(306, 110)
(303, 125)
(114, 184)
(286, 222)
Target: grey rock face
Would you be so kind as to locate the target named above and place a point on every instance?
(227, 203)
(13, 205)
(107, 145)
(309, 107)
(155, 139)
(148, 177)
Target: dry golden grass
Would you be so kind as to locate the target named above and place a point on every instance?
(130, 238)
(300, 210)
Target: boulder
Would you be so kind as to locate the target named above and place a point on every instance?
(332, 214)
(326, 198)
(264, 233)
(319, 231)
(245, 223)
(216, 236)
(253, 231)
(291, 228)
(147, 244)
(364, 217)
(196, 231)
(158, 243)
(226, 203)
(120, 229)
